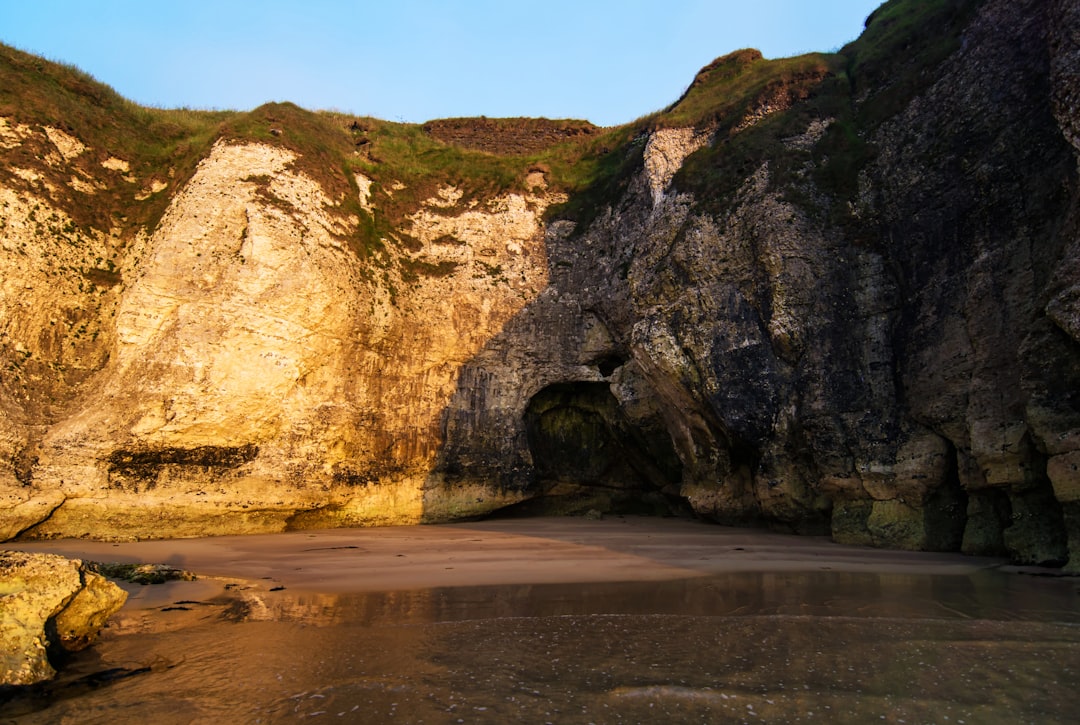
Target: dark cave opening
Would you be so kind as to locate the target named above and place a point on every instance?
(946, 509)
(609, 364)
(1036, 533)
(1023, 521)
(589, 456)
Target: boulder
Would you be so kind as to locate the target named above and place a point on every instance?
(49, 605)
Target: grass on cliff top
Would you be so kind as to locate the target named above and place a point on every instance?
(796, 91)
(423, 163)
(868, 82)
(167, 145)
(408, 164)
(321, 147)
(163, 145)
(724, 91)
(902, 41)
(722, 95)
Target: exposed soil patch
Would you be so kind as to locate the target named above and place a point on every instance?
(508, 136)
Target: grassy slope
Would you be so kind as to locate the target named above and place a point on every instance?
(867, 82)
(864, 84)
(166, 145)
(39, 93)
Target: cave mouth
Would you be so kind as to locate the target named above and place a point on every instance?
(588, 456)
(946, 509)
(608, 364)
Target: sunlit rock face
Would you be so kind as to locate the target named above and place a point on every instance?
(891, 357)
(255, 378)
(51, 606)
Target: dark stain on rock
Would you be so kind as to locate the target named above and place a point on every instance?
(139, 469)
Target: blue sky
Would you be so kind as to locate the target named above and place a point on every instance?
(415, 60)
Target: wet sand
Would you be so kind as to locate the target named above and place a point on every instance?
(568, 620)
(513, 551)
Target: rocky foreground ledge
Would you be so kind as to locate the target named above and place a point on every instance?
(49, 606)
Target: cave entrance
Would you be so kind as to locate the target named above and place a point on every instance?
(946, 510)
(589, 456)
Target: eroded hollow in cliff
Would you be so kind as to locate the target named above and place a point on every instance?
(588, 455)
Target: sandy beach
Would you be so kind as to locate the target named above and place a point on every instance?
(567, 620)
(513, 551)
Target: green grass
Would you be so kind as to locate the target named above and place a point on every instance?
(866, 83)
(407, 165)
(37, 92)
(902, 40)
(721, 96)
(890, 64)
(728, 88)
(393, 154)
(805, 88)
(321, 146)
(596, 174)
(404, 153)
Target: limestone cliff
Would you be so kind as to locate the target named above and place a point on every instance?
(249, 374)
(836, 293)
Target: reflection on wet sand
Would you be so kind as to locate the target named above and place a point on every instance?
(983, 595)
(744, 646)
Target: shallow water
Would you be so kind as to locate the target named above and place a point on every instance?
(746, 647)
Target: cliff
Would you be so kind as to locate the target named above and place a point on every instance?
(835, 293)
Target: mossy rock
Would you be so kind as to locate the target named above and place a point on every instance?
(141, 573)
(848, 523)
(895, 524)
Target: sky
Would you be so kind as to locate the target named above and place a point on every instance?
(415, 60)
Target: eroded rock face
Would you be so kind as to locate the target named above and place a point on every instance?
(982, 364)
(898, 368)
(893, 381)
(250, 374)
(48, 604)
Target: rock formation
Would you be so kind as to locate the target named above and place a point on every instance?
(49, 605)
(837, 293)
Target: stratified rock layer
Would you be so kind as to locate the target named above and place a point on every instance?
(868, 326)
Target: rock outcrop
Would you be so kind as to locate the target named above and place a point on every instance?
(251, 376)
(833, 294)
(901, 374)
(49, 606)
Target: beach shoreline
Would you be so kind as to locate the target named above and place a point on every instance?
(503, 551)
(541, 620)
